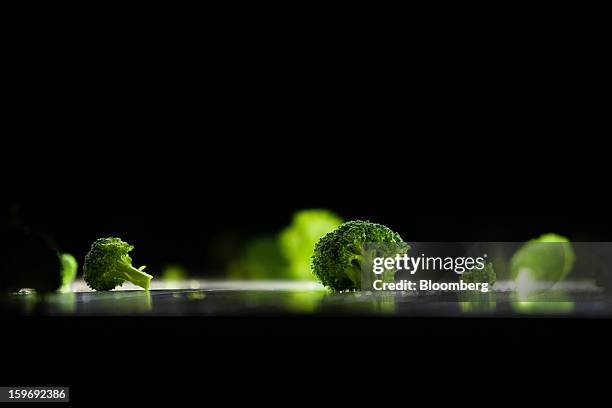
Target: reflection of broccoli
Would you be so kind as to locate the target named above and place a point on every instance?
(477, 301)
(482, 275)
(555, 302)
(28, 260)
(108, 265)
(549, 258)
(339, 256)
(297, 240)
(69, 271)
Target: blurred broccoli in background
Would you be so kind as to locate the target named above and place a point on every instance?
(545, 260)
(28, 260)
(286, 255)
(173, 272)
(261, 258)
(69, 271)
(297, 240)
(478, 302)
(482, 275)
(340, 255)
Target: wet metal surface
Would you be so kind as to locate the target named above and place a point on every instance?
(227, 298)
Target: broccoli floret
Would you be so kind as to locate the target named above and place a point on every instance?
(549, 258)
(298, 239)
(340, 255)
(69, 271)
(485, 274)
(108, 265)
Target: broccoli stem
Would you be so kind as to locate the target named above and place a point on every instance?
(137, 277)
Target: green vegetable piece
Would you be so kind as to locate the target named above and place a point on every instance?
(69, 271)
(549, 258)
(485, 274)
(108, 265)
(261, 258)
(173, 272)
(340, 255)
(478, 302)
(298, 240)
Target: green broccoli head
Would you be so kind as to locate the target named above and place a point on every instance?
(486, 274)
(340, 255)
(298, 239)
(108, 265)
(69, 271)
(549, 258)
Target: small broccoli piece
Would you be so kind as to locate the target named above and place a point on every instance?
(485, 274)
(299, 238)
(107, 265)
(340, 255)
(478, 302)
(69, 271)
(549, 258)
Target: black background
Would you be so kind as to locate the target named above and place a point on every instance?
(485, 172)
(172, 137)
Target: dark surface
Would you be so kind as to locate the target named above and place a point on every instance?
(278, 298)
